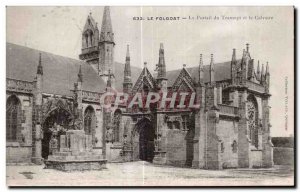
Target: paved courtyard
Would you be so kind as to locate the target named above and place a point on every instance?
(146, 174)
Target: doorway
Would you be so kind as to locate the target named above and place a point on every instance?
(145, 142)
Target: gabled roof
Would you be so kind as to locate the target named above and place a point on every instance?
(222, 72)
(60, 73)
(91, 24)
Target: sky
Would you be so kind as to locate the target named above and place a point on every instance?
(58, 30)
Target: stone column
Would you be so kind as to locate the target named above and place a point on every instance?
(212, 157)
(37, 107)
(160, 152)
(267, 146)
(200, 131)
(243, 136)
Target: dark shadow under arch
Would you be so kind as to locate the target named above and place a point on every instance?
(146, 133)
(57, 117)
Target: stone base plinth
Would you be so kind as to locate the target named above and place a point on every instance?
(75, 154)
(198, 164)
(76, 165)
(127, 155)
(160, 158)
(37, 160)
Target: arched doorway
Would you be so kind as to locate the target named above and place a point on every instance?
(144, 140)
(54, 125)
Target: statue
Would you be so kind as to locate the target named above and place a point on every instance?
(53, 144)
(109, 133)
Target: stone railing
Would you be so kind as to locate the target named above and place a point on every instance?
(226, 109)
(19, 85)
(255, 87)
(91, 96)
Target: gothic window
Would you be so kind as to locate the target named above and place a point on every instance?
(91, 38)
(176, 125)
(87, 40)
(89, 122)
(170, 125)
(234, 146)
(117, 124)
(252, 120)
(88, 117)
(13, 110)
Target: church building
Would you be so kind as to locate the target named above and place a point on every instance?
(47, 93)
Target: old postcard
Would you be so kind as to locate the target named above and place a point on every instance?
(149, 96)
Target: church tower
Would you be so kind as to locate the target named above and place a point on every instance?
(90, 40)
(106, 47)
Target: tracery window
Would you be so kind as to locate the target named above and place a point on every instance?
(170, 125)
(88, 120)
(13, 110)
(176, 125)
(252, 112)
(117, 124)
(87, 40)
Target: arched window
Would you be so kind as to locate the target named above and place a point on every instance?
(117, 124)
(252, 112)
(13, 110)
(87, 40)
(91, 38)
(89, 122)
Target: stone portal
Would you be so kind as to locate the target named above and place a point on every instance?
(143, 141)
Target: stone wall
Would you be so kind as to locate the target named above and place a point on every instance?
(255, 159)
(18, 154)
(227, 132)
(283, 156)
(176, 147)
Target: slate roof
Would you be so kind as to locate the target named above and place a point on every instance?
(222, 72)
(60, 73)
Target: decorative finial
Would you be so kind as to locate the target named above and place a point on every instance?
(80, 78)
(247, 47)
(127, 52)
(184, 65)
(145, 64)
(161, 46)
(40, 67)
(201, 61)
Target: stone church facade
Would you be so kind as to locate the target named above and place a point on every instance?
(47, 93)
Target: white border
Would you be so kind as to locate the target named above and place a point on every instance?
(5, 3)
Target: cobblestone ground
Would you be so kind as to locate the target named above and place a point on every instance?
(146, 174)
